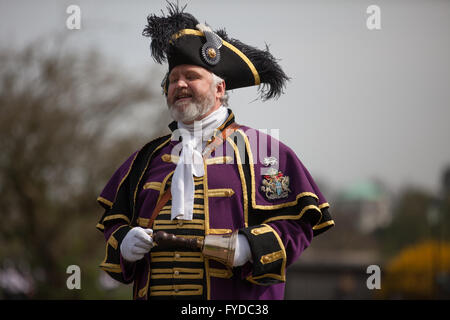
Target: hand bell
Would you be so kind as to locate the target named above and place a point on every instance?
(220, 247)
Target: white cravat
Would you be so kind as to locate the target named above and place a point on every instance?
(190, 162)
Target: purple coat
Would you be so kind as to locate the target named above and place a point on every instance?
(253, 183)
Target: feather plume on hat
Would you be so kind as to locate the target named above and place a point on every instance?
(178, 38)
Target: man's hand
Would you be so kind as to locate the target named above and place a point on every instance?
(243, 252)
(136, 243)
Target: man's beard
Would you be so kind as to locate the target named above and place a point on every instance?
(189, 111)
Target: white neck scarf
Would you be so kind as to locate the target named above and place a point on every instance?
(190, 162)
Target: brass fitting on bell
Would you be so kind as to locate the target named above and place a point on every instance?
(220, 247)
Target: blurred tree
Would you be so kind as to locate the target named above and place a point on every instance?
(419, 271)
(410, 222)
(57, 111)
(444, 206)
(416, 245)
(419, 215)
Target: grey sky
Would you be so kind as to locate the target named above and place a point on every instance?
(361, 104)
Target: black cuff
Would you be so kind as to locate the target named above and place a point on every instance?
(111, 263)
(268, 253)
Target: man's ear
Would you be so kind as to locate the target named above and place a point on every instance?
(221, 87)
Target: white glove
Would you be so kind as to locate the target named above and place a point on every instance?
(242, 254)
(136, 243)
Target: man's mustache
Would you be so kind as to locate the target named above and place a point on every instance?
(183, 92)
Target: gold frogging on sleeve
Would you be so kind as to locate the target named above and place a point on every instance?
(323, 225)
(105, 201)
(261, 230)
(271, 257)
(117, 216)
(111, 267)
(113, 242)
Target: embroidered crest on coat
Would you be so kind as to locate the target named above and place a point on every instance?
(275, 185)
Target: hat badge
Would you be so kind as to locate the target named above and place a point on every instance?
(210, 50)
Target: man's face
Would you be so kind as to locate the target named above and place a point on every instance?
(191, 92)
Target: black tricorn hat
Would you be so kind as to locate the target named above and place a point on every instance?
(179, 38)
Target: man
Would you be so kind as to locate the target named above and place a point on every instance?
(242, 197)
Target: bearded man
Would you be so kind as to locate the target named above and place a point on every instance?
(197, 214)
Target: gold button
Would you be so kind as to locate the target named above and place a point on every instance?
(176, 290)
(180, 224)
(177, 273)
(177, 256)
(212, 53)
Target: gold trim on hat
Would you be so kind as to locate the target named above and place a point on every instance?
(199, 33)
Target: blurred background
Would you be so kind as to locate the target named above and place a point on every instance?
(367, 111)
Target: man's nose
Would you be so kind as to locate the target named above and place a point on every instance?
(181, 83)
